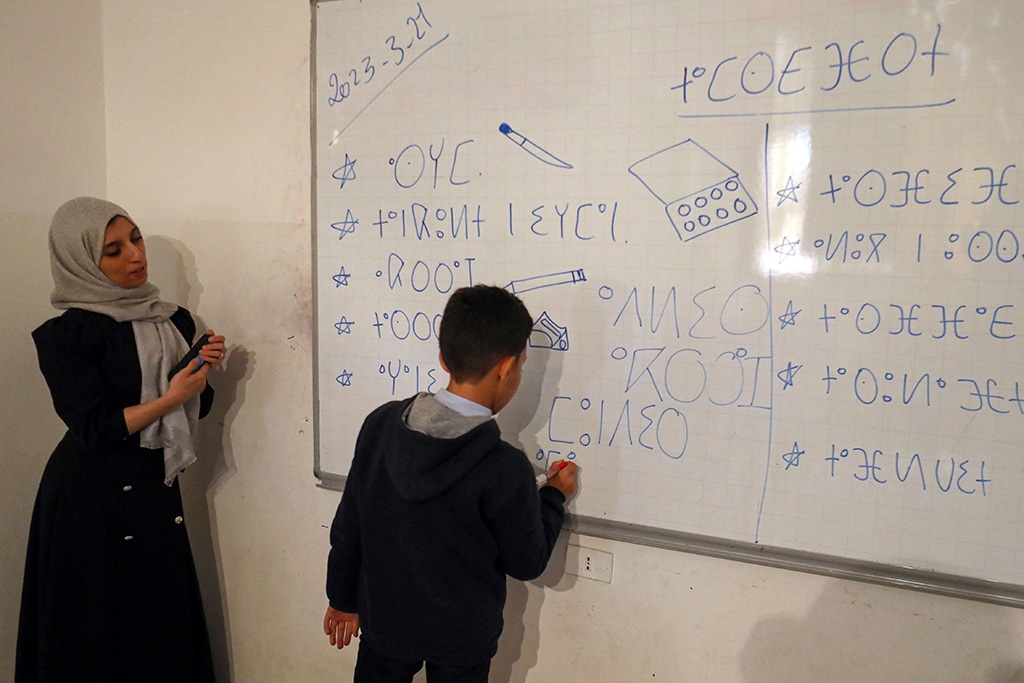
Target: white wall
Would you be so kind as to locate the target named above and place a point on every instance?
(195, 116)
(52, 148)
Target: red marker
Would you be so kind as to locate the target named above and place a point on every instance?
(555, 469)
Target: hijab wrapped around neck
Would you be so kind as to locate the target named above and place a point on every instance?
(77, 234)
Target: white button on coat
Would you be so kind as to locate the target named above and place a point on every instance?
(179, 519)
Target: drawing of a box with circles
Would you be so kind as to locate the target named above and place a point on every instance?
(700, 192)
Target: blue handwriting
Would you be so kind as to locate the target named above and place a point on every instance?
(853, 65)
(423, 277)
(900, 189)
(938, 321)
(875, 466)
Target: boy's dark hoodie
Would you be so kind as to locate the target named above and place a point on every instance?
(437, 510)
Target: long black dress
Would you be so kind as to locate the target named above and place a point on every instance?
(110, 591)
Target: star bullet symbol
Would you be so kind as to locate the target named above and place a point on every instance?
(787, 374)
(788, 193)
(786, 249)
(789, 317)
(344, 326)
(341, 279)
(347, 172)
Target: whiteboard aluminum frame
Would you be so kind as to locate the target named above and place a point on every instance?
(893, 576)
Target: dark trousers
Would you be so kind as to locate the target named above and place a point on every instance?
(373, 667)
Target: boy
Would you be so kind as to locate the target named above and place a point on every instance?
(437, 509)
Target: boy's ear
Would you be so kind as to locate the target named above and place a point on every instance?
(504, 367)
(444, 365)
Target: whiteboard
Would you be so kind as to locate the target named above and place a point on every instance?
(774, 251)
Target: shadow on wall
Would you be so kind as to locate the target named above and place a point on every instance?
(215, 464)
(856, 632)
(519, 645)
(520, 642)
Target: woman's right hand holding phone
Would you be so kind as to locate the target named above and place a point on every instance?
(188, 382)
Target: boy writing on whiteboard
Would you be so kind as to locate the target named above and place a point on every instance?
(438, 509)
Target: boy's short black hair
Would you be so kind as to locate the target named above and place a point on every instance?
(481, 326)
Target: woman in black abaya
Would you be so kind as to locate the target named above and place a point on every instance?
(110, 590)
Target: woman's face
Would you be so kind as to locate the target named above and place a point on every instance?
(123, 259)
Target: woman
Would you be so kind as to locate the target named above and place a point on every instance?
(110, 590)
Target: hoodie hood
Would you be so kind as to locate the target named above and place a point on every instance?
(423, 466)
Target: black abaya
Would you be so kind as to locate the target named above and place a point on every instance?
(110, 590)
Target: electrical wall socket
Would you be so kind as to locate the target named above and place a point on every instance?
(588, 563)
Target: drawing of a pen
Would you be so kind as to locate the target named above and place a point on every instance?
(531, 147)
(528, 284)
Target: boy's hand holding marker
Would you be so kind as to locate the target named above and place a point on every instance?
(562, 476)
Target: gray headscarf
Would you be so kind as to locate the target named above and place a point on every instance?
(76, 245)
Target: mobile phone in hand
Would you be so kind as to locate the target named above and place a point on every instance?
(187, 358)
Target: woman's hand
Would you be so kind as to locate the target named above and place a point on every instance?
(190, 381)
(213, 352)
(187, 383)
